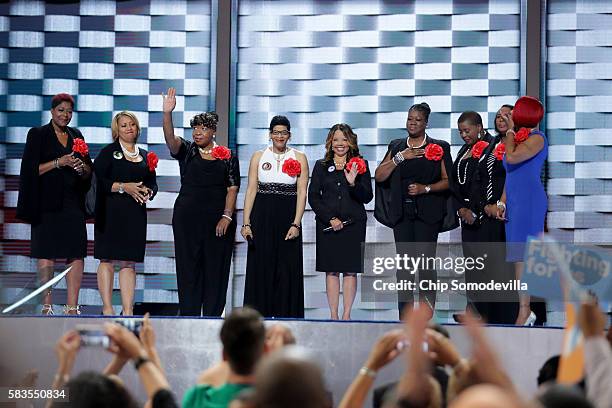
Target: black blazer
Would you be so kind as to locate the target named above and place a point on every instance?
(104, 184)
(486, 183)
(431, 208)
(44, 193)
(330, 195)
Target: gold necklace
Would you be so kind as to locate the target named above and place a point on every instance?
(340, 164)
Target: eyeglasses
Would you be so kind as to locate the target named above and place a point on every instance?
(280, 133)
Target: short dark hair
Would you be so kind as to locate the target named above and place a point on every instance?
(243, 335)
(506, 105)
(280, 120)
(470, 116)
(548, 371)
(206, 119)
(562, 396)
(62, 97)
(91, 389)
(422, 107)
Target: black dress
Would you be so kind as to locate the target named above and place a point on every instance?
(274, 282)
(202, 259)
(421, 217)
(330, 196)
(54, 203)
(121, 223)
(476, 182)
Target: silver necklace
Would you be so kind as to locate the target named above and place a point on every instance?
(129, 154)
(279, 157)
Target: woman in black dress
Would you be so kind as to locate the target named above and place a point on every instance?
(52, 186)
(477, 182)
(125, 176)
(273, 209)
(203, 222)
(419, 195)
(337, 194)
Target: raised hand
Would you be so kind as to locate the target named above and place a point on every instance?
(169, 100)
(351, 175)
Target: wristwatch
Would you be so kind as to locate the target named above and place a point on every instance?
(121, 190)
(427, 189)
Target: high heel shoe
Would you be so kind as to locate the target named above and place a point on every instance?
(47, 310)
(530, 320)
(72, 308)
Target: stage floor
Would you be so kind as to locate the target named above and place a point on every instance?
(187, 346)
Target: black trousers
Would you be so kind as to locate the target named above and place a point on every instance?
(202, 261)
(487, 240)
(426, 235)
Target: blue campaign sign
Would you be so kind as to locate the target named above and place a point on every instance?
(585, 268)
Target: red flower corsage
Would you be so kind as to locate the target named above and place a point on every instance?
(292, 168)
(79, 146)
(361, 166)
(433, 152)
(478, 148)
(521, 135)
(221, 153)
(499, 151)
(152, 161)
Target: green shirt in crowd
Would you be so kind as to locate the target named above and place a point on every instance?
(207, 396)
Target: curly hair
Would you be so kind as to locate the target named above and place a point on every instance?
(207, 119)
(351, 137)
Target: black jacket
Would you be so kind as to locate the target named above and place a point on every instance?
(104, 183)
(432, 207)
(330, 195)
(45, 192)
(485, 182)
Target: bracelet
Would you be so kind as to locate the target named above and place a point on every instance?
(246, 225)
(140, 361)
(510, 130)
(56, 163)
(227, 216)
(501, 204)
(228, 211)
(398, 158)
(367, 371)
(296, 226)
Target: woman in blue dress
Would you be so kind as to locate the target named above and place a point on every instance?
(524, 202)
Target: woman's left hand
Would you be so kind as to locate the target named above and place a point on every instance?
(78, 166)
(292, 233)
(221, 227)
(351, 175)
(416, 189)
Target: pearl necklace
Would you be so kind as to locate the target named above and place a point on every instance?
(129, 154)
(209, 151)
(467, 164)
(416, 147)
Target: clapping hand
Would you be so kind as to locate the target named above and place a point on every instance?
(169, 100)
(351, 175)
